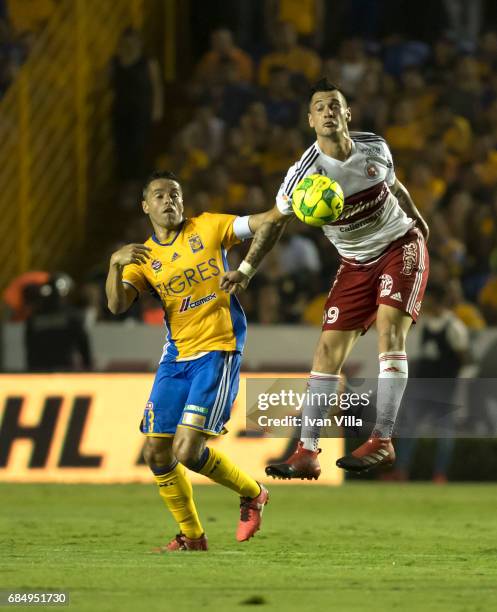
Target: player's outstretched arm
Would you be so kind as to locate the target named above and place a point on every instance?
(405, 200)
(121, 296)
(267, 228)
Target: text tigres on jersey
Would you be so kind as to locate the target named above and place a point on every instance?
(184, 274)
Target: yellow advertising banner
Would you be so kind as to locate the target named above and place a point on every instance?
(84, 428)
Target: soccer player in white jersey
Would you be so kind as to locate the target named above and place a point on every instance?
(382, 274)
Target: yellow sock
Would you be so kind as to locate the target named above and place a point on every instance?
(176, 490)
(222, 470)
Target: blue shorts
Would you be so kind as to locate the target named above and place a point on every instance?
(197, 394)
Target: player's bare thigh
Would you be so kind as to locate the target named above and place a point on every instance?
(333, 349)
(158, 451)
(392, 325)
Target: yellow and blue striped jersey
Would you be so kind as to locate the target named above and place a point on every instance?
(184, 274)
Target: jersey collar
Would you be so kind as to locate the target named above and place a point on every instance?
(338, 161)
(156, 240)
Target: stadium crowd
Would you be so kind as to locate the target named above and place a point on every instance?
(20, 24)
(436, 105)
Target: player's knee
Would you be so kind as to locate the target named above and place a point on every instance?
(187, 452)
(157, 452)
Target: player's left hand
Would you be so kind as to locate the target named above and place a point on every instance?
(423, 227)
(234, 281)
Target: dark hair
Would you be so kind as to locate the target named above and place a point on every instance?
(159, 174)
(323, 85)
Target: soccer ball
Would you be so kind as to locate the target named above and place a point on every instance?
(317, 200)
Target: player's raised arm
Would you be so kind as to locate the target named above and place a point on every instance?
(405, 200)
(267, 228)
(120, 296)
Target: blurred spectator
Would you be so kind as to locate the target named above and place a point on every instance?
(485, 154)
(268, 304)
(55, 337)
(14, 295)
(298, 253)
(425, 188)
(487, 297)
(353, 65)
(419, 94)
(207, 131)
(281, 106)
(440, 65)
(298, 60)
(224, 49)
(224, 194)
(282, 150)
(370, 99)
(404, 134)
(399, 53)
(466, 312)
(487, 54)
(306, 16)
(137, 104)
(184, 158)
(464, 20)
(230, 96)
(466, 89)
(457, 211)
(242, 159)
(454, 131)
(255, 127)
(444, 345)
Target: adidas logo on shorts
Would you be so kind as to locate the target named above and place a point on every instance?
(396, 296)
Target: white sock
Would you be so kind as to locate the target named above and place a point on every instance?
(316, 405)
(392, 383)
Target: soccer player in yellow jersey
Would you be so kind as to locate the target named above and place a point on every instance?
(197, 378)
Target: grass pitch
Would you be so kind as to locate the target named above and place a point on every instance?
(358, 547)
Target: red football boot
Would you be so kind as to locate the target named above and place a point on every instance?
(251, 509)
(375, 453)
(181, 542)
(301, 464)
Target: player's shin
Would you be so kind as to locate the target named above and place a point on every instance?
(392, 383)
(321, 387)
(176, 490)
(218, 467)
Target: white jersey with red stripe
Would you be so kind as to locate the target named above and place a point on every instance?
(371, 218)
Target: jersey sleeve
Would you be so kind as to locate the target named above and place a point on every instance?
(390, 178)
(227, 234)
(133, 275)
(284, 195)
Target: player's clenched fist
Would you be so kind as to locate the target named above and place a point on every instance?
(130, 253)
(233, 282)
